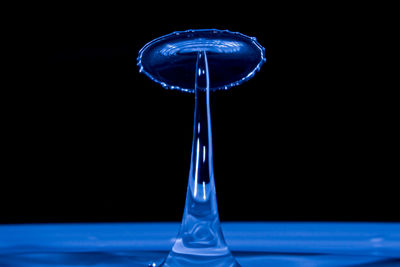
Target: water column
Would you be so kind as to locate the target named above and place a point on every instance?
(200, 239)
(173, 61)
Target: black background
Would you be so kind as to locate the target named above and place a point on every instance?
(88, 138)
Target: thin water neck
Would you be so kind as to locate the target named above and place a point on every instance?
(201, 167)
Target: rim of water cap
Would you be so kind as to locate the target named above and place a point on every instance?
(191, 90)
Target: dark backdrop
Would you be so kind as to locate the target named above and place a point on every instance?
(91, 139)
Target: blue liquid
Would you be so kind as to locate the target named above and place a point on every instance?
(200, 241)
(170, 60)
(147, 244)
(201, 61)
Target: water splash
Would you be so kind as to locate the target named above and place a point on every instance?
(201, 61)
(170, 60)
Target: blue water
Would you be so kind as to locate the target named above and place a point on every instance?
(253, 244)
(140, 259)
(170, 60)
(201, 61)
(153, 258)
